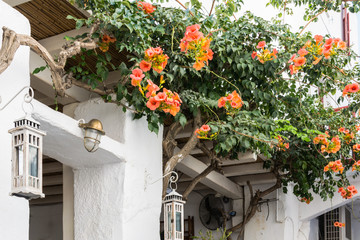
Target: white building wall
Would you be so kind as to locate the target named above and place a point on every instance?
(14, 217)
(112, 201)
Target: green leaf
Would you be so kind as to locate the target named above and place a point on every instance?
(39, 69)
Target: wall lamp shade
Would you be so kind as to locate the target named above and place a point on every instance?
(93, 132)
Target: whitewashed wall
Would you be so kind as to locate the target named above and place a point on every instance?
(14, 217)
(113, 201)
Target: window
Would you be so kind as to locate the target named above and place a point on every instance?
(327, 230)
(345, 26)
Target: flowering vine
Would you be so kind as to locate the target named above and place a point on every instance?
(264, 55)
(204, 132)
(196, 46)
(282, 146)
(231, 102)
(348, 192)
(351, 88)
(339, 224)
(146, 7)
(314, 51)
(155, 59)
(105, 42)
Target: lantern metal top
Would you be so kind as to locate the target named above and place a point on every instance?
(93, 124)
(174, 196)
(27, 122)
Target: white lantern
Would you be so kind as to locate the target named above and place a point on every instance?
(26, 172)
(173, 216)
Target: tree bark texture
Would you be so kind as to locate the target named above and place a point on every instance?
(12, 41)
(184, 152)
(254, 202)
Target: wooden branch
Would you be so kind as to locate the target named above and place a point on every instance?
(12, 41)
(214, 164)
(169, 143)
(251, 211)
(184, 152)
(9, 46)
(212, 7)
(184, 7)
(197, 179)
(250, 188)
(312, 19)
(209, 153)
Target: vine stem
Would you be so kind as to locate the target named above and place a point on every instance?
(312, 19)
(257, 139)
(225, 80)
(172, 40)
(213, 112)
(212, 7)
(184, 7)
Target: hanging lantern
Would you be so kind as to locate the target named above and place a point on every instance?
(93, 133)
(173, 214)
(27, 158)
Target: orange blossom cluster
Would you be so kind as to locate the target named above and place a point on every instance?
(306, 200)
(349, 192)
(203, 132)
(326, 145)
(155, 59)
(339, 224)
(105, 42)
(231, 102)
(334, 166)
(146, 7)
(350, 88)
(264, 55)
(356, 166)
(166, 100)
(196, 46)
(282, 145)
(316, 49)
(349, 136)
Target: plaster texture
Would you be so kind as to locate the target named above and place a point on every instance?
(64, 141)
(111, 116)
(14, 217)
(98, 201)
(112, 201)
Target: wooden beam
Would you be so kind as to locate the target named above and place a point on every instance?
(52, 167)
(255, 179)
(53, 190)
(214, 180)
(183, 185)
(244, 169)
(47, 200)
(53, 180)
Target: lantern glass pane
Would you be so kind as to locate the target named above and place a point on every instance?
(92, 139)
(169, 222)
(33, 161)
(92, 133)
(178, 221)
(19, 160)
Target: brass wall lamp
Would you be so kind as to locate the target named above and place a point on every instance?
(93, 132)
